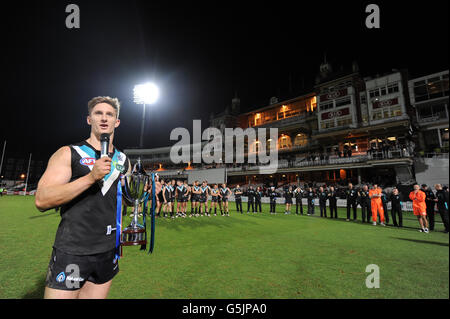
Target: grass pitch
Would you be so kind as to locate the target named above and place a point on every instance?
(242, 256)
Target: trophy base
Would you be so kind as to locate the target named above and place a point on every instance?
(133, 236)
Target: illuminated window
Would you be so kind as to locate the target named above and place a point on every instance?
(301, 140)
(327, 124)
(257, 119)
(285, 142)
(344, 121)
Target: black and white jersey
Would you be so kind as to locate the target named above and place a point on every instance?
(88, 221)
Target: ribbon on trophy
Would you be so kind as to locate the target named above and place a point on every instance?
(119, 221)
(152, 215)
(144, 220)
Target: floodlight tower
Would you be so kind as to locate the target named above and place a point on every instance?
(146, 93)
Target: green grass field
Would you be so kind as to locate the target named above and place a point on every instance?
(242, 256)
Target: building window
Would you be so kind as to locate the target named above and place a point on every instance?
(301, 140)
(327, 124)
(374, 93)
(432, 112)
(396, 111)
(377, 115)
(444, 139)
(326, 106)
(392, 88)
(285, 142)
(344, 101)
(430, 89)
(344, 121)
(363, 98)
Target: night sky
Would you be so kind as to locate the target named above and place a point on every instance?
(199, 53)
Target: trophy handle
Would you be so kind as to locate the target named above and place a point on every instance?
(126, 193)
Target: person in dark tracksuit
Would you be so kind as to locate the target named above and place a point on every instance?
(351, 196)
(364, 201)
(288, 195)
(258, 195)
(310, 195)
(251, 199)
(332, 202)
(273, 200)
(396, 208)
(238, 199)
(430, 203)
(298, 200)
(384, 201)
(442, 205)
(323, 196)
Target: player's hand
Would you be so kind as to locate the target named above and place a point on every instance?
(101, 168)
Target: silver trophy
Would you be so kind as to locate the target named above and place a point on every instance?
(135, 193)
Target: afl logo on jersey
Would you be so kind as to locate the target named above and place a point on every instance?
(87, 161)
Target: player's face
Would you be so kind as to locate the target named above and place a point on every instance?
(103, 119)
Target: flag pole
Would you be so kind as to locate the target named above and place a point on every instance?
(3, 155)
(28, 172)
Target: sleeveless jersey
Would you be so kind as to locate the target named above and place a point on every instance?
(88, 221)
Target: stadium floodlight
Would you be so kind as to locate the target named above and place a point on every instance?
(146, 93)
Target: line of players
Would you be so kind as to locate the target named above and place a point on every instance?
(198, 196)
(373, 201)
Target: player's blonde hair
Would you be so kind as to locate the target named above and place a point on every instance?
(114, 102)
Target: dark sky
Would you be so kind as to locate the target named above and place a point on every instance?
(199, 53)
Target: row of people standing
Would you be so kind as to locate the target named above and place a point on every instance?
(373, 202)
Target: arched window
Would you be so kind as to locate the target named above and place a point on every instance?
(301, 140)
(284, 141)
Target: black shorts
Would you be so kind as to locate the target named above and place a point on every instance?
(70, 272)
(215, 199)
(160, 198)
(224, 199)
(171, 200)
(202, 200)
(288, 201)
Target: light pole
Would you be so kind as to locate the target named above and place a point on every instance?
(146, 93)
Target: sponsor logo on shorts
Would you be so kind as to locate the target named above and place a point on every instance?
(87, 161)
(61, 277)
(71, 278)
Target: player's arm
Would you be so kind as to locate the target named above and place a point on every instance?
(54, 188)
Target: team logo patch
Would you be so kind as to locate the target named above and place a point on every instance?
(121, 168)
(87, 161)
(61, 277)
